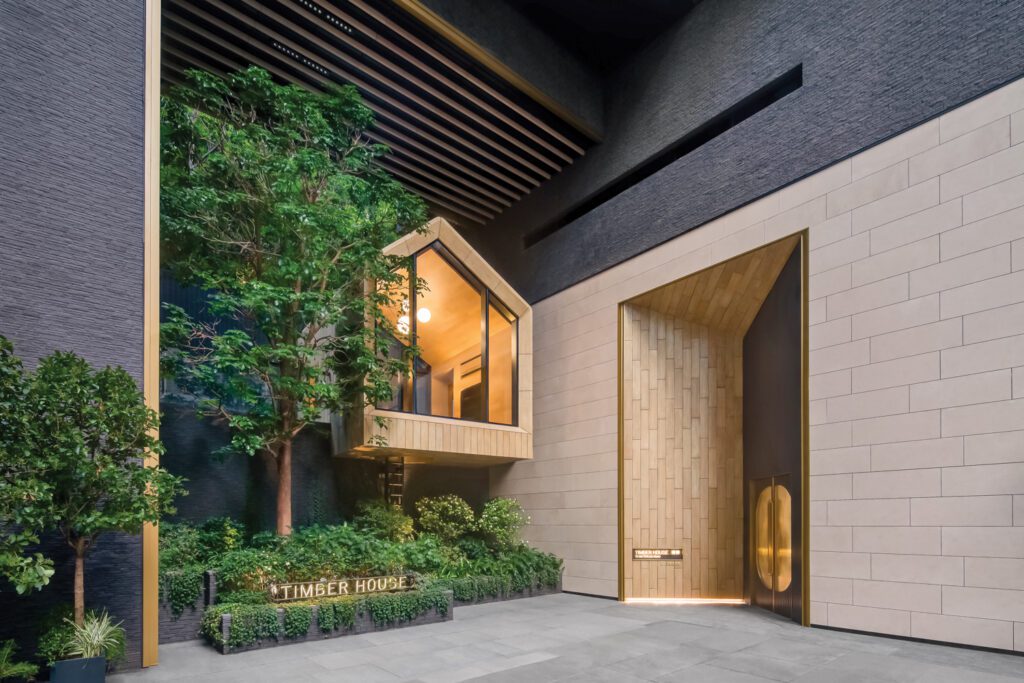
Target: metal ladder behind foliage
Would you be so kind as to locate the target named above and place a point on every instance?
(394, 480)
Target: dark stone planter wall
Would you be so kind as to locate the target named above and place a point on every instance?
(363, 624)
(185, 626)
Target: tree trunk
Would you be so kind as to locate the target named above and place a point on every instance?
(284, 488)
(80, 581)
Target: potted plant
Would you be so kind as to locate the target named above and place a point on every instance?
(82, 653)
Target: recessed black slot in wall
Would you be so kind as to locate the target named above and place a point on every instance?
(760, 99)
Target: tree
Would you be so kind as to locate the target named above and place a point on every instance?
(272, 203)
(93, 432)
(24, 497)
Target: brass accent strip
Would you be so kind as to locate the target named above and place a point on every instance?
(805, 440)
(460, 40)
(151, 315)
(622, 494)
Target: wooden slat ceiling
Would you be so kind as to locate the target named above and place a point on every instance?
(727, 296)
(466, 141)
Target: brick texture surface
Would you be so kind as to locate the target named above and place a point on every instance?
(917, 420)
(71, 235)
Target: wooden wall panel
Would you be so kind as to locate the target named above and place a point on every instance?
(682, 456)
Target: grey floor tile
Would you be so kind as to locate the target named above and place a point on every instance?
(759, 665)
(570, 637)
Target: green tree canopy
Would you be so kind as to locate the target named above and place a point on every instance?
(93, 435)
(272, 203)
(25, 496)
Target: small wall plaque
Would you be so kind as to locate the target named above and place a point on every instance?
(657, 553)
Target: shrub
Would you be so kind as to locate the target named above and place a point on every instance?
(249, 624)
(448, 517)
(56, 634)
(501, 521)
(242, 598)
(248, 569)
(392, 608)
(12, 670)
(384, 520)
(180, 588)
(297, 620)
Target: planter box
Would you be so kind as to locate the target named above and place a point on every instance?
(512, 595)
(363, 624)
(83, 670)
(185, 626)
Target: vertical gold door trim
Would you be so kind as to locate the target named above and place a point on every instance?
(622, 495)
(151, 313)
(805, 479)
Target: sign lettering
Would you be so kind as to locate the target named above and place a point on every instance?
(657, 553)
(306, 590)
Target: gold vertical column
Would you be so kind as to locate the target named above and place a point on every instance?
(151, 313)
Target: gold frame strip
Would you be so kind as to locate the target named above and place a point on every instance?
(151, 315)
(436, 23)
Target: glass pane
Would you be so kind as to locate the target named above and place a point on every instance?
(783, 538)
(397, 313)
(763, 550)
(448, 332)
(500, 367)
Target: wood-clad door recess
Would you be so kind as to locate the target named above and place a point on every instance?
(682, 483)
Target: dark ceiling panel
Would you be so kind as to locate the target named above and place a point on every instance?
(468, 143)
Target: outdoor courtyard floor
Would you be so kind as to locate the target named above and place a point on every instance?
(575, 638)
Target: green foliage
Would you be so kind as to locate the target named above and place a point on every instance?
(249, 624)
(448, 517)
(180, 588)
(186, 551)
(98, 433)
(384, 520)
(392, 608)
(242, 597)
(524, 567)
(500, 522)
(248, 569)
(25, 495)
(98, 636)
(94, 433)
(12, 670)
(297, 619)
(473, 588)
(272, 202)
(57, 630)
(338, 613)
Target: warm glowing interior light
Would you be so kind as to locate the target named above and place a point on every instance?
(685, 601)
(423, 315)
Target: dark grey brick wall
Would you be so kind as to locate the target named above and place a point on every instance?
(871, 70)
(325, 489)
(71, 235)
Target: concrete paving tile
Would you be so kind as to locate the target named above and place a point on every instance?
(759, 665)
(963, 658)
(650, 666)
(790, 650)
(709, 674)
(363, 673)
(568, 637)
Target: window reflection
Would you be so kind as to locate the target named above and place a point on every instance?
(447, 321)
(500, 364)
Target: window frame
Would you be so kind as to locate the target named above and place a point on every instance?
(487, 300)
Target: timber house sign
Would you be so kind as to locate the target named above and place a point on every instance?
(329, 588)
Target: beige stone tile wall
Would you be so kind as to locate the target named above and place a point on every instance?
(916, 384)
